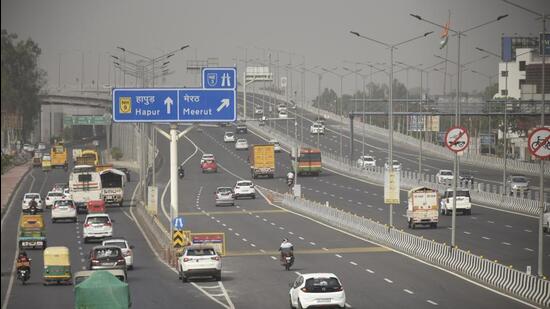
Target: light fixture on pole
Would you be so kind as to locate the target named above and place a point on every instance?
(459, 34)
(391, 47)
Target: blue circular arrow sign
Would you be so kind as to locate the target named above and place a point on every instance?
(178, 223)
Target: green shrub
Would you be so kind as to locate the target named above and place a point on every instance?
(116, 153)
(6, 162)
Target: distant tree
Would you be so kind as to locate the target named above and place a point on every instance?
(22, 79)
(490, 91)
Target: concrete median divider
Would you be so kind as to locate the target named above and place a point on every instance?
(489, 273)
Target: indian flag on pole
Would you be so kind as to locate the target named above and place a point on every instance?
(444, 36)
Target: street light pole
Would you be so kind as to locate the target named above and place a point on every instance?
(390, 107)
(543, 18)
(459, 34)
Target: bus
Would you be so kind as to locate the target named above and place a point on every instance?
(58, 155)
(309, 161)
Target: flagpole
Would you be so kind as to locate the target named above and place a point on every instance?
(446, 57)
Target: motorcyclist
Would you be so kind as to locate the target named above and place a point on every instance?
(290, 178)
(23, 262)
(286, 248)
(181, 171)
(33, 205)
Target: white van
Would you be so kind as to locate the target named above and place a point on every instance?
(463, 202)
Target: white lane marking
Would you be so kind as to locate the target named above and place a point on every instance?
(272, 223)
(237, 234)
(492, 222)
(486, 238)
(473, 218)
(244, 239)
(529, 249)
(253, 245)
(264, 219)
(506, 243)
(370, 271)
(388, 280)
(262, 250)
(431, 302)
(380, 209)
(224, 225)
(301, 238)
(353, 263)
(297, 273)
(324, 249)
(508, 226)
(312, 243)
(338, 256)
(408, 291)
(273, 258)
(359, 203)
(257, 216)
(528, 231)
(467, 233)
(350, 201)
(229, 229)
(290, 233)
(281, 228)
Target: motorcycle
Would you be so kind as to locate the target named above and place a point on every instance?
(289, 181)
(23, 274)
(287, 260)
(33, 210)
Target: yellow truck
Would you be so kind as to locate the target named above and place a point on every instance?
(262, 160)
(58, 154)
(88, 157)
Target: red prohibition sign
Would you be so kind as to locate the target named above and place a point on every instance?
(539, 143)
(454, 139)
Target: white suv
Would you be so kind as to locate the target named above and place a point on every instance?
(52, 197)
(200, 260)
(463, 203)
(244, 188)
(63, 209)
(444, 176)
(317, 289)
(365, 161)
(317, 128)
(27, 198)
(229, 137)
(97, 226)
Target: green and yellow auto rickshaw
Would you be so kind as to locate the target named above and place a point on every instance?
(57, 266)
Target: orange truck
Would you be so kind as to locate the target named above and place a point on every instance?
(309, 161)
(262, 160)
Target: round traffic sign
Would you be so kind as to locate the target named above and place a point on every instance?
(539, 143)
(457, 139)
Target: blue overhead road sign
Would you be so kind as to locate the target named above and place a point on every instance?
(214, 102)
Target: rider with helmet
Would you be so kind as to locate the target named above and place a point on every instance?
(286, 248)
(23, 261)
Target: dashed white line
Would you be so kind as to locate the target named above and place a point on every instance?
(431, 302)
(408, 291)
(370, 271)
(291, 233)
(529, 249)
(506, 243)
(244, 239)
(324, 249)
(272, 223)
(508, 226)
(467, 233)
(388, 280)
(338, 256)
(301, 238)
(253, 245)
(312, 243)
(486, 238)
(492, 222)
(230, 229)
(353, 263)
(273, 258)
(281, 228)
(237, 234)
(528, 231)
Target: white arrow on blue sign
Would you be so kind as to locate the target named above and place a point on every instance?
(178, 223)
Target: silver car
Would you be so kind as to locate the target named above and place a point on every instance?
(241, 144)
(518, 183)
(225, 196)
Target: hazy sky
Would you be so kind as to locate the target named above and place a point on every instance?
(318, 30)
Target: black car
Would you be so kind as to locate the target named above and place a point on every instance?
(241, 128)
(126, 171)
(106, 257)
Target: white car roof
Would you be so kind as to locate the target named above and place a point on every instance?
(319, 275)
(207, 155)
(229, 133)
(445, 171)
(241, 181)
(97, 215)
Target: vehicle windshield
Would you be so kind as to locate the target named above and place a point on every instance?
(241, 141)
(107, 252)
(519, 179)
(225, 190)
(97, 220)
(229, 134)
(121, 244)
(55, 194)
(63, 203)
(30, 196)
(464, 193)
(446, 173)
(244, 184)
(200, 252)
(322, 285)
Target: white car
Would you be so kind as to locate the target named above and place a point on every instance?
(127, 251)
(28, 147)
(444, 176)
(244, 188)
(317, 289)
(396, 165)
(259, 111)
(241, 144)
(27, 198)
(229, 137)
(52, 197)
(283, 114)
(281, 107)
(276, 145)
(463, 202)
(41, 146)
(207, 156)
(317, 128)
(200, 260)
(63, 209)
(366, 161)
(97, 226)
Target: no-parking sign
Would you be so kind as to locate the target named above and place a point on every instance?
(539, 143)
(457, 139)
